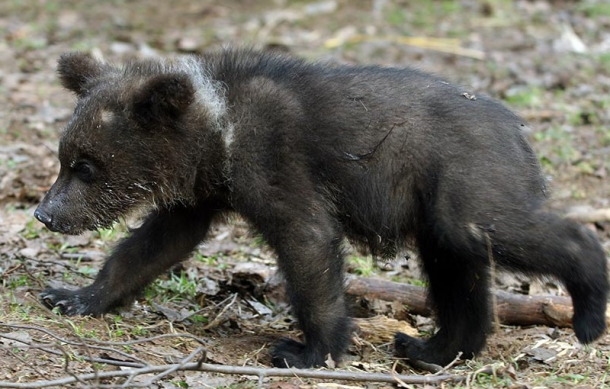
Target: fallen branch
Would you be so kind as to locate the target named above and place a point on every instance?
(512, 308)
(590, 215)
(239, 370)
(129, 360)
(104, 342)
(451, 46)
(161, 371)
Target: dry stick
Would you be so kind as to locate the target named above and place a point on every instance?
(492, 271)
(104, 342)
(33, 276)
(438, 44)
(181, 364)
(67, 367)
(218, 317)
(79, 256)
(45, 348)
(80, 343)
(398, 380)
(590, 216)
(142, 363)
(434, 368)
(51, 262)
(489, 370)
(513, 309)
(27, 363)
(245, 370)
(62, 350)
(12, 269)
(426, 366)
(457, 359)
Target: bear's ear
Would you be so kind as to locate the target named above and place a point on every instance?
(77, 69)
(163, 99)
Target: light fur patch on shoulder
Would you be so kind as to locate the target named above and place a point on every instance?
(210, 93)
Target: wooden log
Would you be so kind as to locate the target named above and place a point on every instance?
(511, 308)
(589, 215)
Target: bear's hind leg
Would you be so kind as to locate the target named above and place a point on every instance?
(542, 243)
(458, 275)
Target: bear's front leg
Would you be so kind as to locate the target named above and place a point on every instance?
(308, 242)
(166, 237)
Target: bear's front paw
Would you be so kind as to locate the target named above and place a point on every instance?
(69, 302)
(290, 353)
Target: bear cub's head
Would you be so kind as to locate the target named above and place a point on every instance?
(129, 142)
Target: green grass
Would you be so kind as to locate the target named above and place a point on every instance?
(603, 136)
(558, 147)
(32, 229)
(177, 287)
(80, 328)
(251, 384)
(208, 260)
(16, 281)
(421, 15)
(118, 329)
(110, 234)
(362, 266)
(397, 17)
(526, 97)
(216, 260)
(596, 9)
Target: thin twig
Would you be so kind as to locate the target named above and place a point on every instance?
(244, 370)
(457, 358)
(434, 368)
(180, 365)
(46, 348)
(590, 216)
(27, 363)
(426, 366)
(81, 343)
(139, 363)
(492, 270)
(451, 46)
(490, 369)
(218, 317)
(104, 342)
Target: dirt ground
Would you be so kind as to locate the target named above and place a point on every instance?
(547, 60)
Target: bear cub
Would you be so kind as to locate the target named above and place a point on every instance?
(311, 155)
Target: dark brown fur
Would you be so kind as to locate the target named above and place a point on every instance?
(311, 155)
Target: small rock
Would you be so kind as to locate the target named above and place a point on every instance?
(29, 252)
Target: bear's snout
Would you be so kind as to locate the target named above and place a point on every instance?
(42, 216)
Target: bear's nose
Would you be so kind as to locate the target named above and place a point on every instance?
(42, 216)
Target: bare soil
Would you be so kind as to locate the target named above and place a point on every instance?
(549, 60)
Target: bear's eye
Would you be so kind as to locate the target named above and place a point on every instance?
(84, 171)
